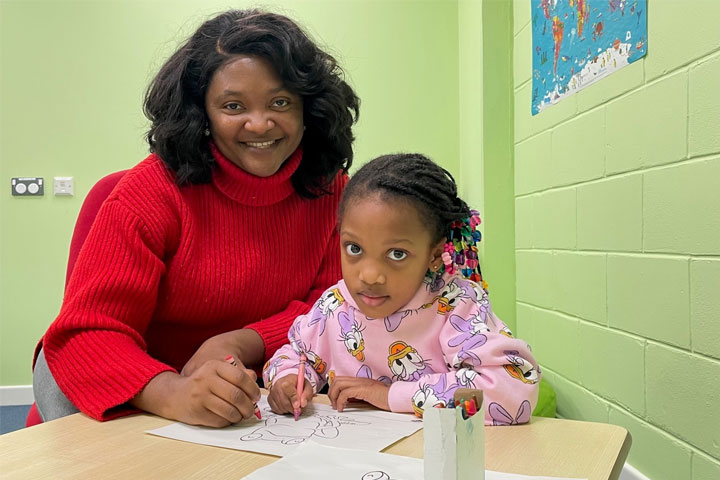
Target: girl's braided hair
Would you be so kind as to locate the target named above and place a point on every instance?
(432, 190)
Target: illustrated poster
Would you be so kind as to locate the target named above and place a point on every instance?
(577, 42)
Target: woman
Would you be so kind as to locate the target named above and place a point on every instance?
(213, 244)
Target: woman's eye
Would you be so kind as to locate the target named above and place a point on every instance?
(353, 249)
(397, 255)
(234, 106)
(281, 102)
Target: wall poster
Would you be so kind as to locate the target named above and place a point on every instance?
(577, 42)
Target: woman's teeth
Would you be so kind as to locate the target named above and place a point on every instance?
(260, 144)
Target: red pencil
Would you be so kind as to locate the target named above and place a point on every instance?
(231, 360)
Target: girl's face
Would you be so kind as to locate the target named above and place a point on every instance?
(386, 250)
(255, 122)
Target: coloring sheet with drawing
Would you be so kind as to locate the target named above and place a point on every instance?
(280, 434)
(313, 461)
(320, 462)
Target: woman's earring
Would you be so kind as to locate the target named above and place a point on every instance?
(207, 132)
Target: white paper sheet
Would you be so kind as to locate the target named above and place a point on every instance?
(275, 434)
(313, 461)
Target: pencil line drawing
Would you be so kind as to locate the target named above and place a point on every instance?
(376, 475)
(284, 429)
(357, 428)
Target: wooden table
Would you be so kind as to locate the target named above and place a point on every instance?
(79, 447)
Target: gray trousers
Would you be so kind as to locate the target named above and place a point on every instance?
(51, 402)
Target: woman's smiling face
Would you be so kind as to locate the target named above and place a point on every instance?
(254, 120)
(386, 250)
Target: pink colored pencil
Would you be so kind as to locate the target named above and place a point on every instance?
(300, 384)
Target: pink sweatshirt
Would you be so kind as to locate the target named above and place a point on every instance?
(445, 338)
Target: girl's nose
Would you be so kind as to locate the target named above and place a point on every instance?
(370, 275)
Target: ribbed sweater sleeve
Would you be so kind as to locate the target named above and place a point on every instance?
(95, 347)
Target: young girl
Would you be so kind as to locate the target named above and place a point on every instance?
(410, 322)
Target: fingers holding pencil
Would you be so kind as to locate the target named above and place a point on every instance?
(283, 397)
(231, 360)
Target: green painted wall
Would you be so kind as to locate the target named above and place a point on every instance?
(71, 85)
(470, 50)
(617, 239)
(471, 92)
(486, 139)
(497, 141)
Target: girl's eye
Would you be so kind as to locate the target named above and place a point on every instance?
(397, 255)
(353, 250)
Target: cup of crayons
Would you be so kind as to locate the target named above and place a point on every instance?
(468, 407)
(454, 438)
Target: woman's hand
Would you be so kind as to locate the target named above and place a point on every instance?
(283, 397)
(215, 395)
(372, 391)
(244, 344)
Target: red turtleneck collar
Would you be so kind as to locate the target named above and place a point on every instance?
(249, 189)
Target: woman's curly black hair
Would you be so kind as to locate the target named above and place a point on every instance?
(175, 99)
(415, 178)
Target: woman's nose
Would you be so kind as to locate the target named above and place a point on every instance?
(259, 123)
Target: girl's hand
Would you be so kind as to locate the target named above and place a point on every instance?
(372, 391)
(244, 344)
(283, 396)
(216, 395)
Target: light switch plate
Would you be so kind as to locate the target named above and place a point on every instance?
(63, 186)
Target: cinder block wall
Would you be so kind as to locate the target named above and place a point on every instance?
(617, 198)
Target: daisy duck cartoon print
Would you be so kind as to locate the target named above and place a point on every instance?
(410, 321)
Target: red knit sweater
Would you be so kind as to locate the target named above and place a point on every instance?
(166, 267)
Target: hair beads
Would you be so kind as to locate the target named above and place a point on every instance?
(461, 252)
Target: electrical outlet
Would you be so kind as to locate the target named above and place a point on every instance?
(63, 186)
(27, 186)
